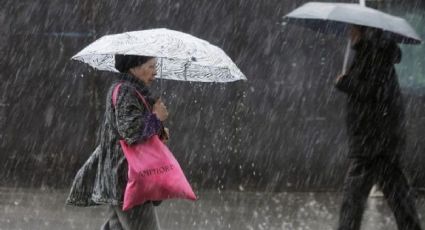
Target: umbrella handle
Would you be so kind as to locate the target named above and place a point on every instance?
(160, 76)
(347, 49)
(346, 56)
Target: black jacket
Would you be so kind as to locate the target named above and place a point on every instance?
(375, 113)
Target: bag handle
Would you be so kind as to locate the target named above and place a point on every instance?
(115, 95)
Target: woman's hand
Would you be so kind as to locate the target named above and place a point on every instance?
(160, 110)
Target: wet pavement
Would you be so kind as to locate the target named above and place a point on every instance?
(45, 209)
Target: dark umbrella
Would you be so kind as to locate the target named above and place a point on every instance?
(337, 17)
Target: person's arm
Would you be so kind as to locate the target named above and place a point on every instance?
(133, 120)
(360, 81)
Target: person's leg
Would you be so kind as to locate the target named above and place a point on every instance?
(399, 196)
(142, 217)
(357, 185)
(112, 223)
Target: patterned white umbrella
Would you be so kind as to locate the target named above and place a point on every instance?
(180, 56)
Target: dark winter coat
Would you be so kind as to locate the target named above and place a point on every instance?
(375, 113)
(103, 177)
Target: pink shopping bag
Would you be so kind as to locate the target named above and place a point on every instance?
(153, 172)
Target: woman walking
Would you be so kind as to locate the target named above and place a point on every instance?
(103, 178)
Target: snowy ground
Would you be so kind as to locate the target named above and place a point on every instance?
(38, 209)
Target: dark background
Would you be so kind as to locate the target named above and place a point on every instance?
(283, 129)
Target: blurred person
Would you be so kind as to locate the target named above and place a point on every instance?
(375, 125)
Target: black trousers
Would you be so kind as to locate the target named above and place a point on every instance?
(363, 173)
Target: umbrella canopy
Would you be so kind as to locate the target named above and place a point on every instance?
(181, 56)
(335, 17)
